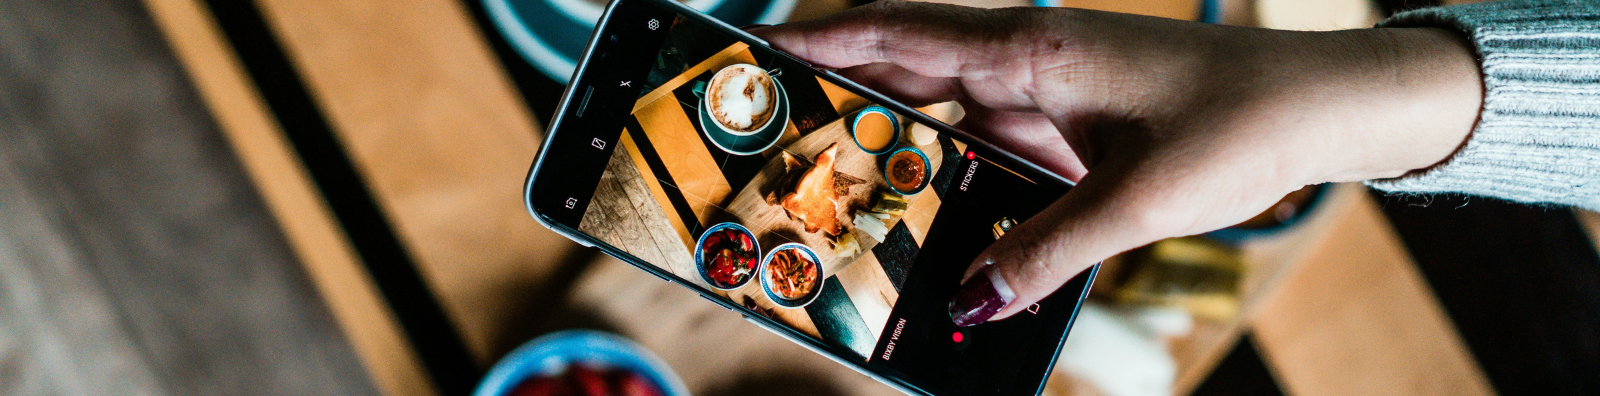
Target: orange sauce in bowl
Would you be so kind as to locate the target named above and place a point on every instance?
(906, 171)
(874, 132)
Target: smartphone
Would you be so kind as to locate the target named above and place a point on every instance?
(816, 208)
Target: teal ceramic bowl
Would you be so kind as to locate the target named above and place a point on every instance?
(700, 257)
(766, 280)
(927, 171)
(552, 354)
(894, 123)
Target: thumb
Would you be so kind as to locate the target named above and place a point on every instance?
(1098, 218)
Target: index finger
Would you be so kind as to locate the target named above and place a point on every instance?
(934, 40)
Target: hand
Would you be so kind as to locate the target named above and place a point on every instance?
(1170, 128)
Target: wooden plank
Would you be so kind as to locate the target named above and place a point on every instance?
(61, 332)
(627, 213)
(434, 125)
(1520, 283)
(1590, 221)
(1270, 261)
(919, 215)
(873, 293)
(284, 185)
(684, 155)
(1359, 319)
(131, 182)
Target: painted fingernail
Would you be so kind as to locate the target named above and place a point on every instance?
(980, 298)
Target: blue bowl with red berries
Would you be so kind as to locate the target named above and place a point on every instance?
(727, 256)
(581, 363)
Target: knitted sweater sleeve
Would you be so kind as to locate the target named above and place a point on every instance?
(1538, 136)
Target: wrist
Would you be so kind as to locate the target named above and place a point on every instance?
(1335, 106)
(1413, 98)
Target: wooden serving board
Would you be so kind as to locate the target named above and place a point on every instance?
(773, 225)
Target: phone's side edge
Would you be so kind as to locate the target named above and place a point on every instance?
(555, 121)
(533, 171)
(1094, 272)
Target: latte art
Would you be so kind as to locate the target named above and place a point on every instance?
(741, 98)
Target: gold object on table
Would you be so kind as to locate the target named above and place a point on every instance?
(1192, 273)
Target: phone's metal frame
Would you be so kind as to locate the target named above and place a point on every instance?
(758, 319)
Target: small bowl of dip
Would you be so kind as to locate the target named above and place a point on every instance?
(875, 129)
(907, 171)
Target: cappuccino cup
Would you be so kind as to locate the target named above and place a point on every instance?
(741, 99)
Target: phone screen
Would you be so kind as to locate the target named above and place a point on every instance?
(741, 172)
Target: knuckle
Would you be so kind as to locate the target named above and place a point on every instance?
(884, 8)
(1043, 262)
(1042, 276)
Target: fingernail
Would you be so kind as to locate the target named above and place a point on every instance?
(980, 298)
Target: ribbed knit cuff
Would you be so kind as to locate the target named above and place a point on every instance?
(1538, 137)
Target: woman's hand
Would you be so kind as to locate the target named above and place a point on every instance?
(1170, 128)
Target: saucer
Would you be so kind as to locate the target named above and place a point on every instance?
(754, 143)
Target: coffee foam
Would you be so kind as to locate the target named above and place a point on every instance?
(742, 99)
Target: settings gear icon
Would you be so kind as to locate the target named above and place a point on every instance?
(653, 24)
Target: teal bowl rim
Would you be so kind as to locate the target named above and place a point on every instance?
(894, 122)
(803, 301)
(699, 262)
(927, 170)
(542, 356)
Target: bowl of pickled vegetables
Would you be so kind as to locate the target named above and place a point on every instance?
(791, 275)
(727, 256)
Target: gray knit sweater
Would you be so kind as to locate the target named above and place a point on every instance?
(1538, 137)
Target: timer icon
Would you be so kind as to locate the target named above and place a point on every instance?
(653, 24)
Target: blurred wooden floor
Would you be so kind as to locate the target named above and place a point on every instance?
(135, 257)
(321, 197)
